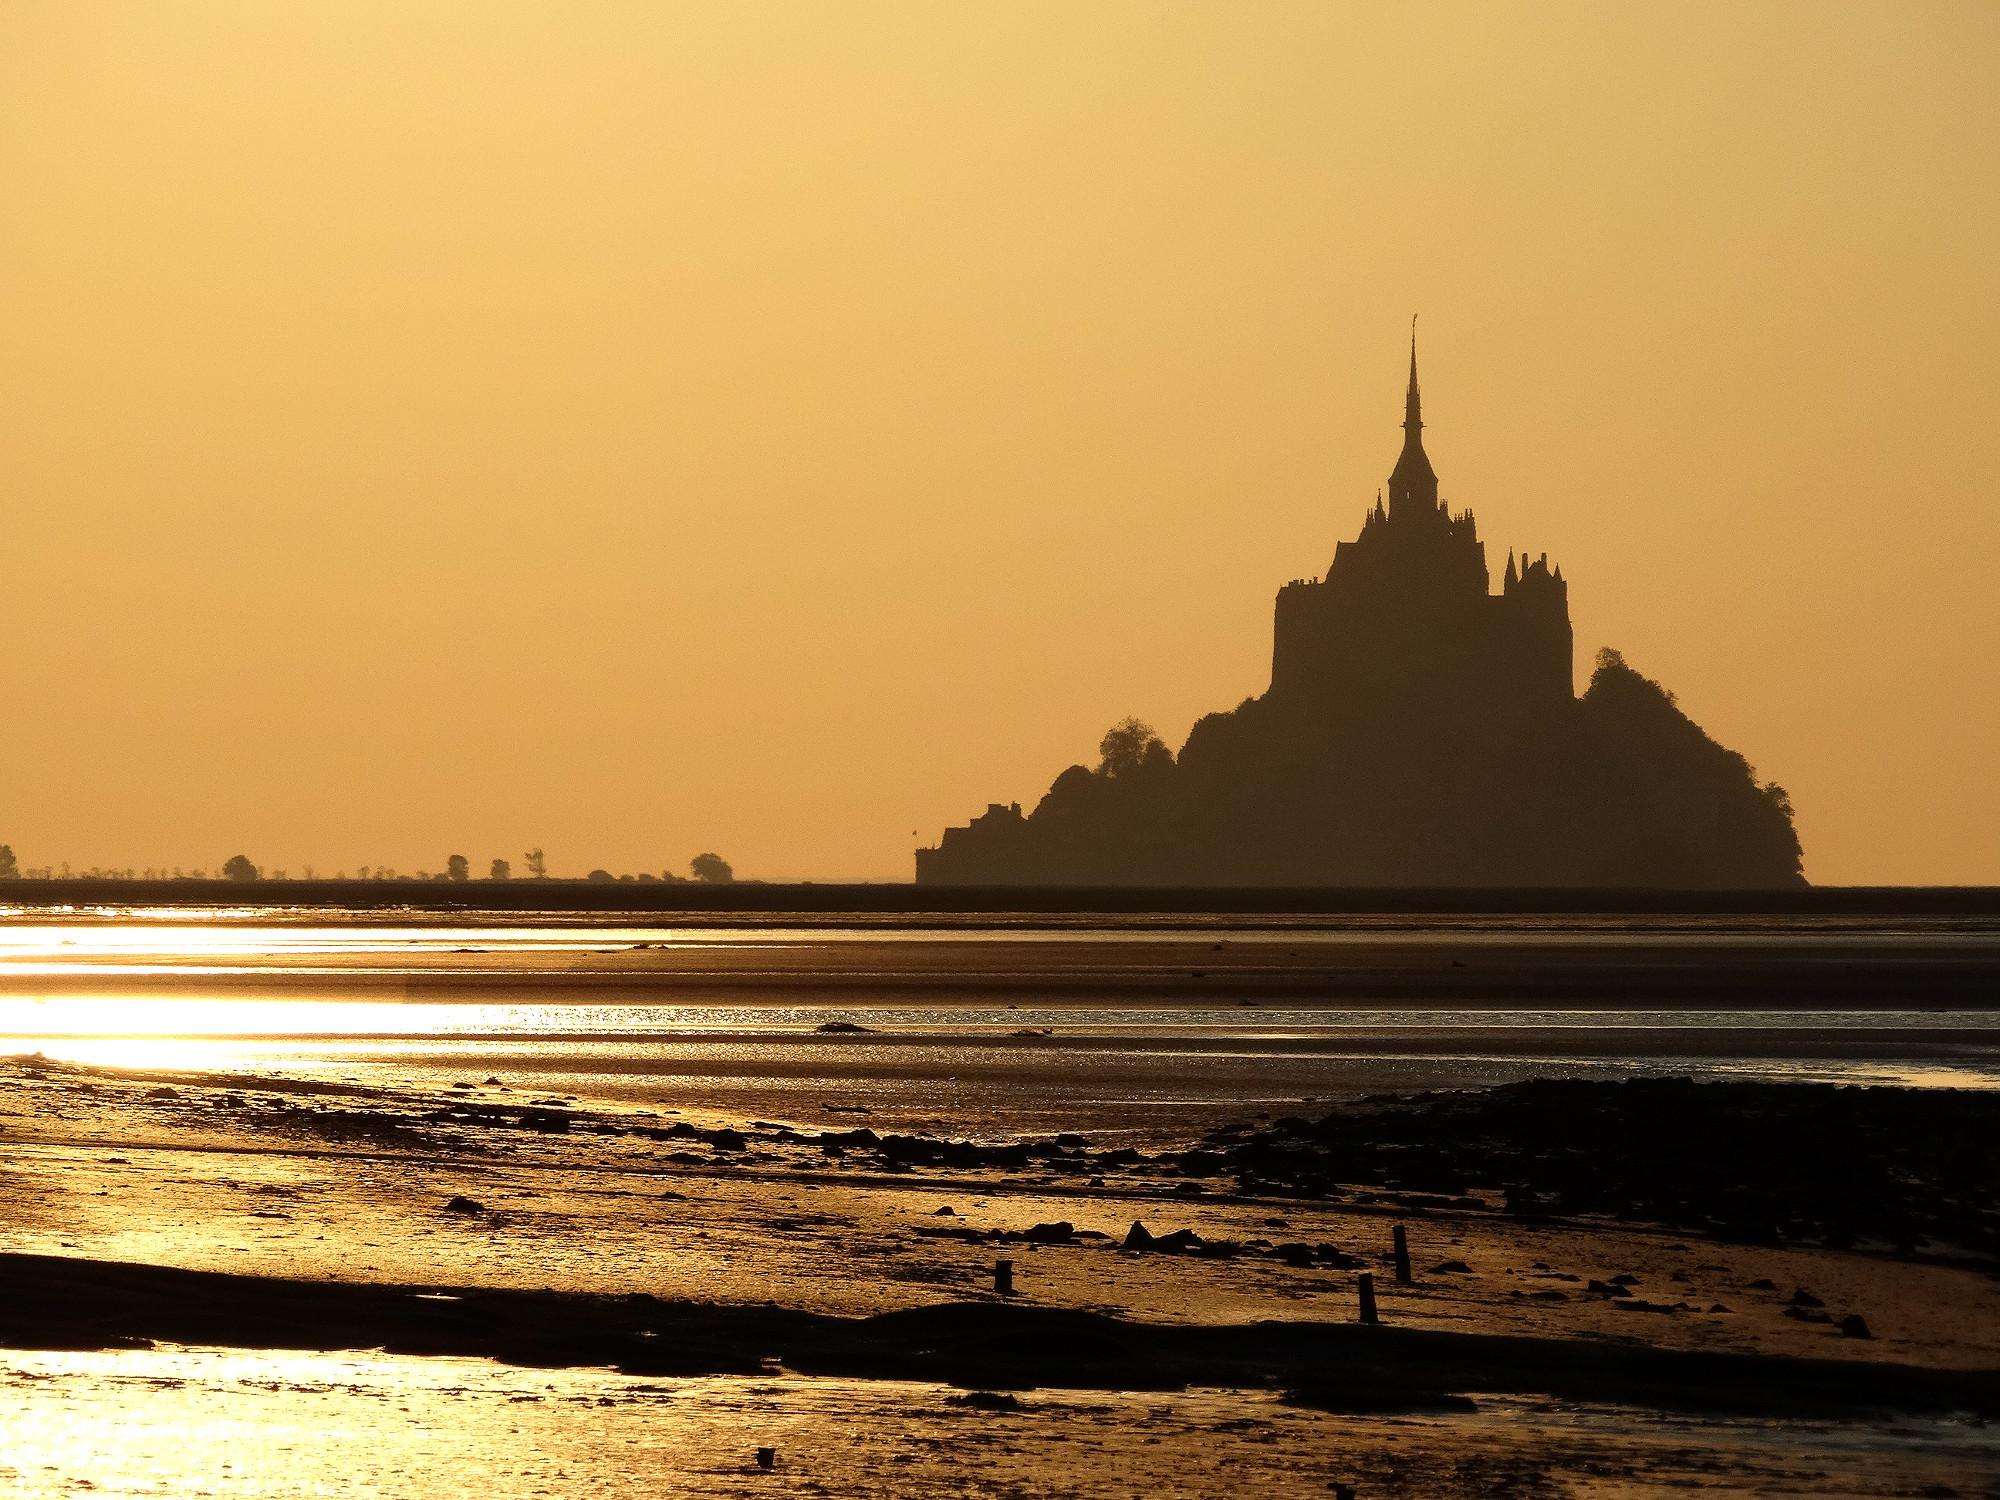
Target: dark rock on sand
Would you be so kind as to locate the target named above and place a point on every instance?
(987, 1401)
(1176, 1242)
(847, 1140)
(1854, 1326)
(901, 1152)
(461, 1204)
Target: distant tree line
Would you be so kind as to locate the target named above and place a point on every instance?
(707, 868)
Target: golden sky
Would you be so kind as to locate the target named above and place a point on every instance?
(642, 428)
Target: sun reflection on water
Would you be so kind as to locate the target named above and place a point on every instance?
(167, 991)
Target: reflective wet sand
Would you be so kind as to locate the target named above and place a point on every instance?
(223, 1423)
(201, 1046)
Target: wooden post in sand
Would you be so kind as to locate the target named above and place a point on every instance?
(1402, 1257)
(1366, 1283)
(1003, 1277)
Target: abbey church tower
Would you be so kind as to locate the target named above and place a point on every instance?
(1403, 625)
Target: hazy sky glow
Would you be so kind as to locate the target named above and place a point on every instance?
(635, 429)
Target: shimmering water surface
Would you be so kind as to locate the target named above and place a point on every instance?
(1009, 1025)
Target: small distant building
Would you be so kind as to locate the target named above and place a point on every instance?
(1000, 835)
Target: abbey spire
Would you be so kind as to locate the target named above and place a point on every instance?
(1413, 483)
(1413, 398)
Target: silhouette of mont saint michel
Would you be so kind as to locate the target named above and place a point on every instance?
(1418, 731)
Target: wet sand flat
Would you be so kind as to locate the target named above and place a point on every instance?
(354, 1187)
(414, 1429)
(752, 1188)
(243, 1174)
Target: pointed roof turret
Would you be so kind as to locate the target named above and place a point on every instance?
(1413, 481)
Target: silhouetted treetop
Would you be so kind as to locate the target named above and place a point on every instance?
(1615, 680)
(712, 868)
(1129, 746)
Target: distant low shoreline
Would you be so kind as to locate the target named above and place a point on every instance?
(694, 944)
(908, 899)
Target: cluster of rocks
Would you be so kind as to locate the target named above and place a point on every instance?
(1903, 1169)
(902, 1153)
(1898, 1169)
(326, 1122)
(1142, 1241)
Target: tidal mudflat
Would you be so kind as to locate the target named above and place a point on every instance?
(412, 1261)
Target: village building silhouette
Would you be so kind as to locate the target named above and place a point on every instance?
(1419, 730)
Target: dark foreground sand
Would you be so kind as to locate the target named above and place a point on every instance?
(1602, 1249)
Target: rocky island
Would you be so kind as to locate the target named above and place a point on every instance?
(1419, 730)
